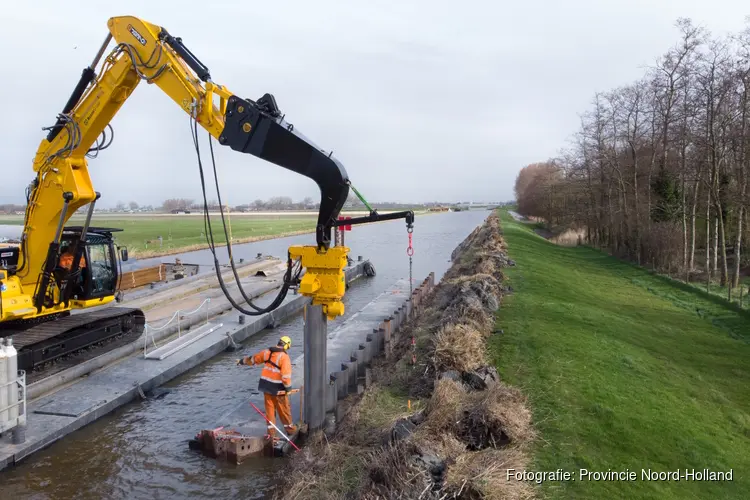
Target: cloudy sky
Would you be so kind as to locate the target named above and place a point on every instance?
(420, 100)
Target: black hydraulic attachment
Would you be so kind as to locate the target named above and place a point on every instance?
(376, 217)
(259, 129)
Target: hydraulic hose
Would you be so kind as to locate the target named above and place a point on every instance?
(288, 278)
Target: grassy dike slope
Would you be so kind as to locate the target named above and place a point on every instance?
(463, 428)
(623, 370)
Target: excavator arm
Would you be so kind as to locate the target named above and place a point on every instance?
(57, 268)
(145, 51)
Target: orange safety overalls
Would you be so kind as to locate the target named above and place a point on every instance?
(275, 381)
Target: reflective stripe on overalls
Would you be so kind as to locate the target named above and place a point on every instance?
(272, 381)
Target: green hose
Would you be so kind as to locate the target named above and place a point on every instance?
(361, 198)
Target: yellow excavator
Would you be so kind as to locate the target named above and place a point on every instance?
(56, 269)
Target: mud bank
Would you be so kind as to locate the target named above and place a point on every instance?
(437, 422)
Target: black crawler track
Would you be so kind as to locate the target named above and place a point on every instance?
(62, 363)
(42, 346)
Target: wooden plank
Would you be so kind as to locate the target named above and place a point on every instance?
(142, 277)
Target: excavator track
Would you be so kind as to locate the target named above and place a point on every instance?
(39, 345)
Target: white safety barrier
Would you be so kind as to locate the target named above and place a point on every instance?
(176, 316)
(182, 342)
(17, 408)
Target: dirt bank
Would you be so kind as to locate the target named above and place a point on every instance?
(437, 423)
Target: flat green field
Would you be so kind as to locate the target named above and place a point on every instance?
(186, 232)
(624, 370)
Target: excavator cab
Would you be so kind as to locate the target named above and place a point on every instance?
(96, 274)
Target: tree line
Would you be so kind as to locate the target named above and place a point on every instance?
(273, 203)
(658, 170)
(12, 208)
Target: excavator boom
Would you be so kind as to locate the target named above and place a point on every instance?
(148, 52)
(57, 268)
(145, 51)
(36, 286)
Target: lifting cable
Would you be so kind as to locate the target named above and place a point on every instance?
(410, 253)
(290, 277)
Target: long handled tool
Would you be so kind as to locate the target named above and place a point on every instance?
(274, 426)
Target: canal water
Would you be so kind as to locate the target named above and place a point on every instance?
(141, 450)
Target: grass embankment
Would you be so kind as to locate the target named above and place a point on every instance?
(624, 370)
(185, 233)
(464, 427)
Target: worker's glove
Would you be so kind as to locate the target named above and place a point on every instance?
(241, 361)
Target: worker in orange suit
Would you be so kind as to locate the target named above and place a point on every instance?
(275, 383)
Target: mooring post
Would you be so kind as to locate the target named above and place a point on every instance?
(316, 337)
(18, 436)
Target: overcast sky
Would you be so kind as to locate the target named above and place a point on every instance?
(420, 100)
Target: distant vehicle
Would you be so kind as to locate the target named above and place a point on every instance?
(176, 211)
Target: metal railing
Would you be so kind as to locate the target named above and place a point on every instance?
(176, 316)
(20, 419)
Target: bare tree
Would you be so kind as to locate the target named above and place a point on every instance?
(658, 171)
